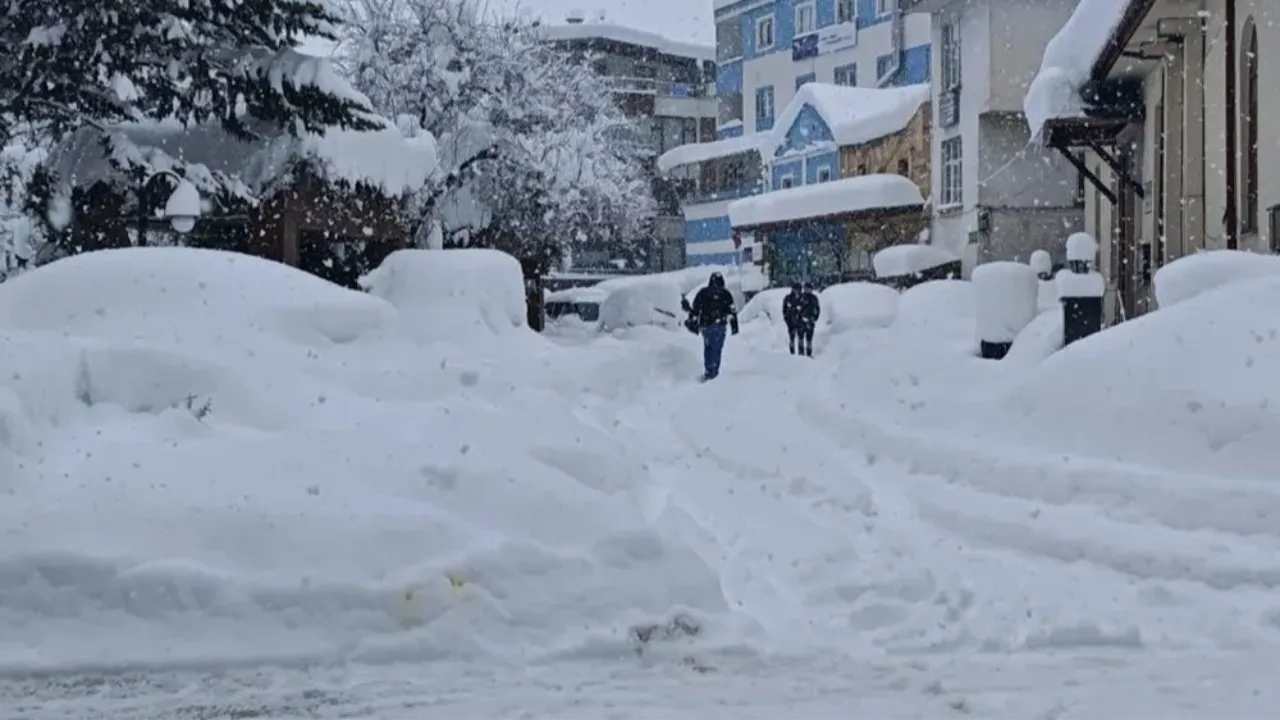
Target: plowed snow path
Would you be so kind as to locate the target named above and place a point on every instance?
(832, 532)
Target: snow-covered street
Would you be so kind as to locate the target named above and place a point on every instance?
(230, 488)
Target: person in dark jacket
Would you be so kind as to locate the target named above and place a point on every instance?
(713, 309)
(810, 310)
(791, 315)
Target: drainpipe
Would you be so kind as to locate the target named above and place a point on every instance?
(1193, 145)
(896, 31)
(1231, 220)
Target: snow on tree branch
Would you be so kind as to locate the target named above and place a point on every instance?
(558, 159)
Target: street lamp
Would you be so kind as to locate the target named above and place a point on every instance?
(182, 208)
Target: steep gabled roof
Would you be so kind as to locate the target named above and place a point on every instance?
(854, 115)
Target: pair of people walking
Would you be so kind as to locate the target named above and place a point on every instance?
(712, 314)
(800, 311)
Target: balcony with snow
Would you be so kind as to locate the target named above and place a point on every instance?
(848, 171)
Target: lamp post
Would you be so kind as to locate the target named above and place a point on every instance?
(182, 209)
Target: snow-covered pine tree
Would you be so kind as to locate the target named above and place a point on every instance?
(68, 64)
(559, 161)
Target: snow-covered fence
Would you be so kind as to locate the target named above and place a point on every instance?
(1005, 295)
(1081, 289)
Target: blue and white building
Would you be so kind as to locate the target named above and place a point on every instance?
(766, 50)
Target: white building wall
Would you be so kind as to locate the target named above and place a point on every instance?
(1001, 46)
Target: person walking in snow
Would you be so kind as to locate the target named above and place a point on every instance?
(810, 311)
(713, 310)
(791, 315)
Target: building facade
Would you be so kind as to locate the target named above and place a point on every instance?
(668, 88)
(996, 194)
(768, 49)
(1176, 102)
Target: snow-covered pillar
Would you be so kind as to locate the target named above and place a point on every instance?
(1005, 295)
(1081, 289)
(1047, 298)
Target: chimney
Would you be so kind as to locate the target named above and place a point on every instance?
(575, 17)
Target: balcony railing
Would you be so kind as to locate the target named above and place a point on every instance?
(664, 88)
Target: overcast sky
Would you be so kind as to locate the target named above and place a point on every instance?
(683, 20)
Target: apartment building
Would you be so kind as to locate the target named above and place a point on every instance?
(668, 87)
(767, 49)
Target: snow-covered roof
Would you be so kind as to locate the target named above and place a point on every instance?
(909, 259)
(854, 115)
(694, 153)
(1068, 62)
(848, 195)
(384, 158)
(630, 36)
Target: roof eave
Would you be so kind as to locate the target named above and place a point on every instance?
(1134, 14)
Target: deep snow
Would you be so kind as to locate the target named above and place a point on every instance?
(211, 466)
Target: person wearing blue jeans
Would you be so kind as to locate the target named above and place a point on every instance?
(713, 309)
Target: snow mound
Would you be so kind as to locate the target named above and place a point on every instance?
(858, 305)
(937, 302)
(1188, 387)
(208, 458)
(1041, 338)
(653, 302)
(765, 305)
(909, 259)
(1007, 294)
(451, 294)
(1188, 277)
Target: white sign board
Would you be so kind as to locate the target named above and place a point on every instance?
(834, 38)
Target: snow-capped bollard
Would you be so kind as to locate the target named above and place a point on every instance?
(1081, 290)
(1047, 298)
(1005, 295)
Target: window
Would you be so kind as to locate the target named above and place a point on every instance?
(846, 75)
(952, 189)
(904, 167)
(728, 40)
(846, 11)
(824, 174)
(1249, 129)
(806, 19)
(728, 108)
(764, 33)
(884, 66)
(787, 181)
(950, 57)
(802, 80)
(764, 107)
(642, 70)
(885, 7)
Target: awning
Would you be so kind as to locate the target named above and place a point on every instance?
(851, 198)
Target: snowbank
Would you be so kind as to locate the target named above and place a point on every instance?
(1041, 338)
(909, 259)
(938, 302)
(858, 305)
(452, 294)
(209, 458)
(848, 195)
(653, 302)
(1006, 294)
(1189, 387)
(1188, 277)
(1068, 60)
